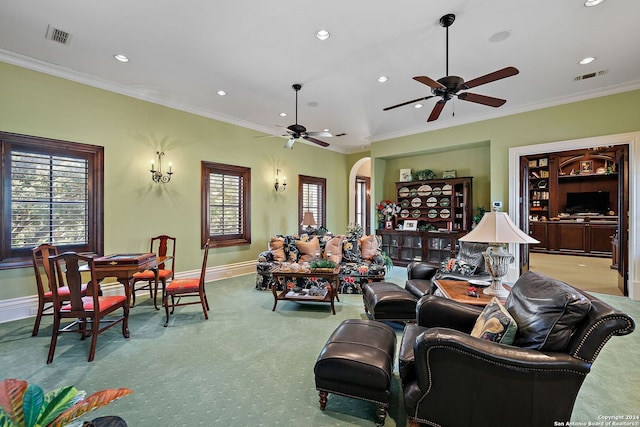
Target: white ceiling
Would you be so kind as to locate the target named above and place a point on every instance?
(183, 52)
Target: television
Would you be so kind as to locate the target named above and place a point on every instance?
(588, 202)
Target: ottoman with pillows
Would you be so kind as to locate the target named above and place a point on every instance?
(518, 363)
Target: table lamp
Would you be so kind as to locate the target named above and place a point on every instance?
(497, 229)
(308, 222)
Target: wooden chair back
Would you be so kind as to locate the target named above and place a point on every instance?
(163, 246)
(40, 258)
(72, 275)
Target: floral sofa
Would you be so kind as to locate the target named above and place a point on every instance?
(360, 259)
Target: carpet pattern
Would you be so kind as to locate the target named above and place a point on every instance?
(248, 365)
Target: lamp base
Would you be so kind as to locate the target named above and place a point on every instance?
(497, 261)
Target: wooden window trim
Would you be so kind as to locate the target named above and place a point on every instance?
(22, 258)
(225, 241)
(305, 179)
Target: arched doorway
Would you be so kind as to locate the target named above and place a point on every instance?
(360, 194)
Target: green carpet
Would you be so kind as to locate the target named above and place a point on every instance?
(248, 365)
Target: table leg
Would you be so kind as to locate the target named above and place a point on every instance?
(274, 290)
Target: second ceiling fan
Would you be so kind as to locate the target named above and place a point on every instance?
(449, 86)
(296, 131)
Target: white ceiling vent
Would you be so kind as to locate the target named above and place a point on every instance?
(58, 35)
(590, 75)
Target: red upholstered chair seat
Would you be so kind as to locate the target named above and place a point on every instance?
(64, 293)
(183, 285)
(150, 275)
(104, 302)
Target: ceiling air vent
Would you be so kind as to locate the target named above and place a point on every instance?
(58, 35)
(341, 134)
(590, 75)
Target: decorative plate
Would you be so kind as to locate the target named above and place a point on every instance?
(416, 213)
(437, 191)
(444, 202)
(432, 201)
(432, 213)
(404, 213)
(444, 213)
(416, 202)
(424, 190)
(413, 192)
(404, 203)
(403, 192)
(447, 190)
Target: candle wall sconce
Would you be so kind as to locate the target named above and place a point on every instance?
(156, 170)
(280, 186)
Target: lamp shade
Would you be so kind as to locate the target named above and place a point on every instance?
(497, 227)
(308, 220)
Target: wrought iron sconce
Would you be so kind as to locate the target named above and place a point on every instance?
(156, 174)
(280, 186)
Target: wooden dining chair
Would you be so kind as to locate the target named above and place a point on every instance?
(187, 288)
(88, 312)
(165, 249)
(40, 258)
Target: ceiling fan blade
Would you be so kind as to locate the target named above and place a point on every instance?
(435, 113)
(315, 141)
(321, 134)
(407, 103)
(429, 82)
(289, 143)
(482, 99)
(491, 77)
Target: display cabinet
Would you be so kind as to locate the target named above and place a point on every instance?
(440, 204)
(404, 247)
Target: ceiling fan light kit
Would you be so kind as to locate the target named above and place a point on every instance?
(450, 86)
(296, 131)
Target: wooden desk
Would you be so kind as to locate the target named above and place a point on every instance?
(332, 277)
(123, 267)
(457, 291)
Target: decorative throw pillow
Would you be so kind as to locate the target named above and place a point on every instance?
(276, 246)
(453, 265)
(547, 311)
(351, 251)
(495, 324)
(369, 246)
(308, 250)
(471, 253)
(333, 250)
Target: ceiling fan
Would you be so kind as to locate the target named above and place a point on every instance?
(297, 131)
(449, 86)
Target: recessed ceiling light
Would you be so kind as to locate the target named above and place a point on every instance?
(283, 114)
(221, 93)
(500, 36)
(326, 130)
(587, 60)
(383, 79)
(590, 3)
(121, 58)
(418, 106)
(322, 34)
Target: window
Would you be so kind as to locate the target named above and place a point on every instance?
(312, 197)
(363, 202)
(225, 204)
(52, 192)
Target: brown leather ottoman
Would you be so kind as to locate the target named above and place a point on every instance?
(357, 362)
(388, 301)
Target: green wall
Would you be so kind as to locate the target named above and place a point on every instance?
(607, 115)
(132, 131)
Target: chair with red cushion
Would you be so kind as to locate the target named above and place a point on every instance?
(187, 288)
(40, 257)
(88, 312)
(165, 248)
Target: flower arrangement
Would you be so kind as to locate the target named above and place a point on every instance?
(388, 209)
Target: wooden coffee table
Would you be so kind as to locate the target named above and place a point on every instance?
(457, 291)
(332, 276)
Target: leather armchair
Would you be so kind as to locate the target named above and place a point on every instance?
(420, 278)
(453, 379)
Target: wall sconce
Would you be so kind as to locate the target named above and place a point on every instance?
(280, 186)
(156, 174)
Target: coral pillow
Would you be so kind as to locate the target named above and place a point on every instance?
(276, 246)
(369, 247)
(333, 250)
(308, 250)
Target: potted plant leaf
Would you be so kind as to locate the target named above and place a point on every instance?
(26, 405)
(322, 265)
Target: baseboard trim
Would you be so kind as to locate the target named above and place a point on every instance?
(23, 307)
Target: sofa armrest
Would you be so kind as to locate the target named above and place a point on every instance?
(422, 270)
(433, 311)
